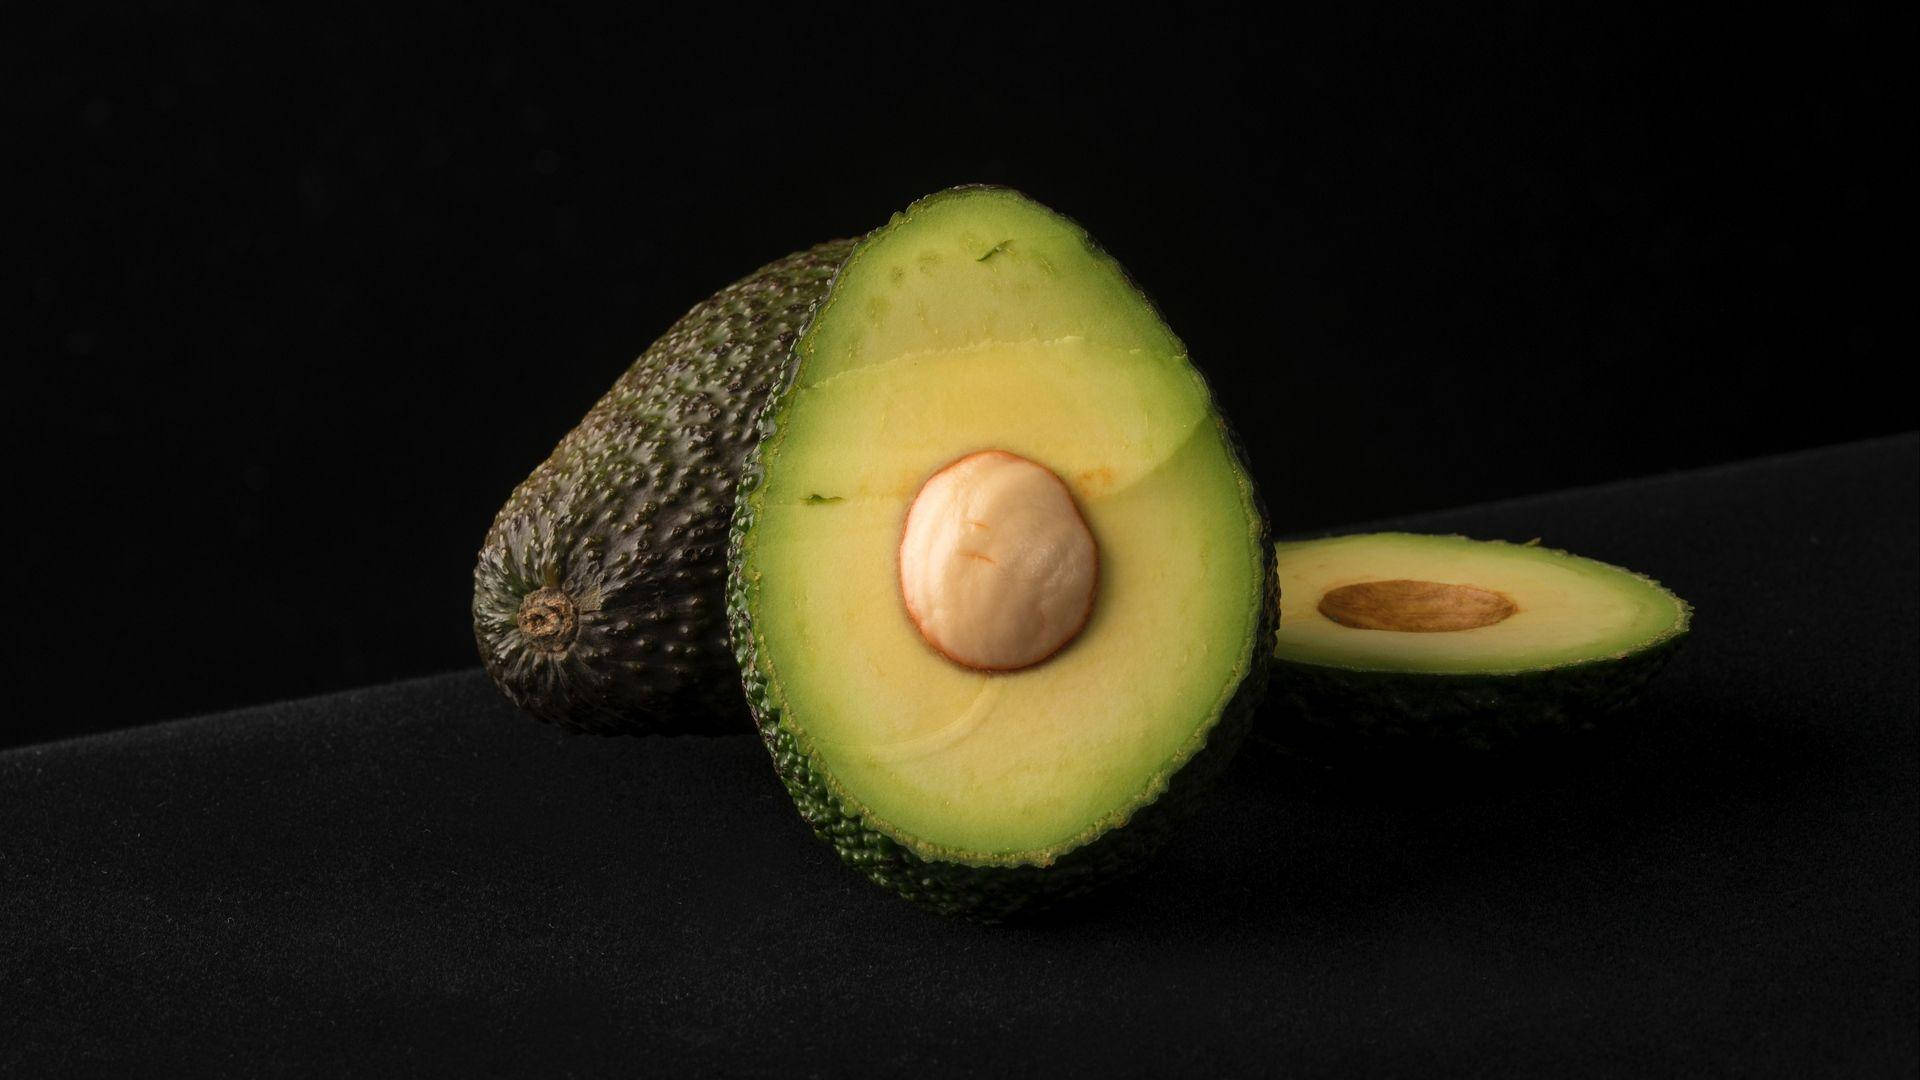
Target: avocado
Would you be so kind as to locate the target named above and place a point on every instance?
(1000, 588)
(599, 594)
(1406, 639)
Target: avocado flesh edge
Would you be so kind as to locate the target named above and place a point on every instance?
(627, 521)
(968, 879)
(1318, 693)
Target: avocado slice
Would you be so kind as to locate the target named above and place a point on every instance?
(599, 594)
(1000, 590)
(1476, 642)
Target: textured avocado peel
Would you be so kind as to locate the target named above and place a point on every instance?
(1365, 671)
(599, 593)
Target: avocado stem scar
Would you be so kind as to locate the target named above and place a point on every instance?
(549, 620)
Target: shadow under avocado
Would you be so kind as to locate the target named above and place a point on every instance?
(1350, 834)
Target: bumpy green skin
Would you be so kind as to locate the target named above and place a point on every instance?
(1318, 708)
(984, 893)
(623, 529)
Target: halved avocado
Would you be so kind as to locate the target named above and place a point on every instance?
(980, 367)
(1477, 642)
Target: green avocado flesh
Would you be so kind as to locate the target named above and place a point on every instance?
(979, 320)
(1470, 640)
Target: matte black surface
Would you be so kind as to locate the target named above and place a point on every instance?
(414, 879)
(296, 294)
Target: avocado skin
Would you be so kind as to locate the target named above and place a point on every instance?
(1325, 709)
(988, 893)
(624, 526)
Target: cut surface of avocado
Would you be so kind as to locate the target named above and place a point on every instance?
(1445, 635)
(981, 326)
(1559, 609)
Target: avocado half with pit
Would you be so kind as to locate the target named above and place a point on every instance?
(1000, 588)
(1401, 636)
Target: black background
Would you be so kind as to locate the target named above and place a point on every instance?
(304, 296)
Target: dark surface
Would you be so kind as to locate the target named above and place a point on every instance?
(299, 293)
(413, 879)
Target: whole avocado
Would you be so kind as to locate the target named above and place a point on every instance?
(599, 599)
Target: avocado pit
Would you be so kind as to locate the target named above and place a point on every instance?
(1421, 607)
(998, 569)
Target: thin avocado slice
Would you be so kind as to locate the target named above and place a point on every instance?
(599, 593)
(1000, 589)
(1477, 642)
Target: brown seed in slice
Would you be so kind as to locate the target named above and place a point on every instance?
(1424, 607)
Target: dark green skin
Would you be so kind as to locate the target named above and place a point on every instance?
(600, 594)
(985, 893)
(1320, 709)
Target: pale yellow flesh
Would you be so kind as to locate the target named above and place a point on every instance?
(1568, 609)
(1097, 417)
(1018, 766)
(1023, 760)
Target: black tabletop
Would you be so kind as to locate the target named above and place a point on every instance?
(414, 878)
